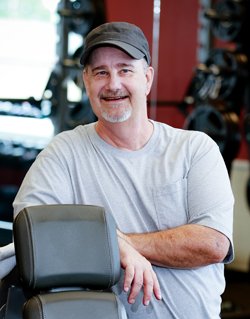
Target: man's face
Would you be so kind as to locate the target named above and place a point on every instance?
(117, 85)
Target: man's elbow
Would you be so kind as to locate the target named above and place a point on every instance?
(220, 249)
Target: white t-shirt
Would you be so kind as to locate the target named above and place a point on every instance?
(178, 177)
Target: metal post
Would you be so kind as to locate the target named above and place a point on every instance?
(155, 57)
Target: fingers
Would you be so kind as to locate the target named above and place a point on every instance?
(136, 286)
(137, 280)
(148, 286)
(156, 287)
(128, 278)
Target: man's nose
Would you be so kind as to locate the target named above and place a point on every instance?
(114, 81)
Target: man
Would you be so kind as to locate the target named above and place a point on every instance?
(168, 189)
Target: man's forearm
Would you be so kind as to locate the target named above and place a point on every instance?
(187, 246)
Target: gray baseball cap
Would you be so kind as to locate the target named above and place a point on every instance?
(126, 36)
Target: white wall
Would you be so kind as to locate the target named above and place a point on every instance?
(239, 178)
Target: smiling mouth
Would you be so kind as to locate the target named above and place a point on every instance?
(114, 98)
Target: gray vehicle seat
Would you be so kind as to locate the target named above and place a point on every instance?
(68, 256)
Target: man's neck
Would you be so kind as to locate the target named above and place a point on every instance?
(125, 135)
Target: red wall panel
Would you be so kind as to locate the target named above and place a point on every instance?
(139, 12)
(178, 46)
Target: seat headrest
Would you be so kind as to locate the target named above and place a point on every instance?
(66, 246)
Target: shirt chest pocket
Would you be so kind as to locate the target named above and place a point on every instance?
(171, 204)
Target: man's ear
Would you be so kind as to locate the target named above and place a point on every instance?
(150, 78)
(85, 81)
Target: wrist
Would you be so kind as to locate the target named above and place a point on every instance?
(124, 237)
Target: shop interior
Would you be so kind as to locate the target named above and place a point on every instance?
(200, 52)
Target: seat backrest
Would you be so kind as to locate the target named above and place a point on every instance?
(70, 254)
(75, 305)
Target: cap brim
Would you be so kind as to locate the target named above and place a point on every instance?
(129, 49)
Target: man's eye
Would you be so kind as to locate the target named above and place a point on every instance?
(102, 73)
(125, 71)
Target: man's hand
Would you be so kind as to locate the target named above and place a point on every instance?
(139, 273)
